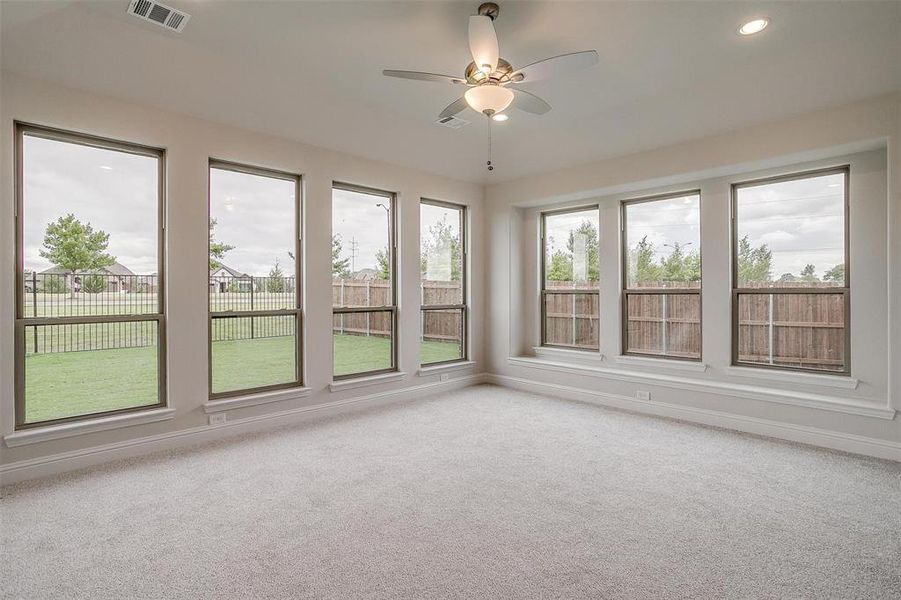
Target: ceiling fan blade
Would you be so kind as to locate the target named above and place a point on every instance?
(455, 107)
(529, 102)
(558, 65)
(483, 42)
(420, 76)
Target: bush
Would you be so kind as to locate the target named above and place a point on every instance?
(93, 284)
(53, 284)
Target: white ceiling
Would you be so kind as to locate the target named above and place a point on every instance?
(311, 71)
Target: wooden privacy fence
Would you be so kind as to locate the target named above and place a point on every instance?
(437, 325)
(571, 320)
(664, 324)
(801, 330)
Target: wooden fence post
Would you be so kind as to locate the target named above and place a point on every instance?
(368, 315)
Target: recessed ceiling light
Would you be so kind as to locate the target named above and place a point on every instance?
(752, 27)
(106, 167)
(500, 117)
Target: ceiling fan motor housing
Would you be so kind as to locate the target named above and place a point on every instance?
(502, 74)
(490, 10)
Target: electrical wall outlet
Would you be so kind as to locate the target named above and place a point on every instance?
(217, 418)
(444, 377)
(642, 395)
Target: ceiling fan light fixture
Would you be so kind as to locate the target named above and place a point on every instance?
(488, 98)
(500, 117)
(754, 26)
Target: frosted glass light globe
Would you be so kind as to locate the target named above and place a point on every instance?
(493, 98)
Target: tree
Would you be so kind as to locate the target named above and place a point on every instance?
(383, 258)
(560, 267)
(93, 284)
(787, 278)
(588, 230)
(275, 283)
(441, 236)
(755, 265)
(340, 266)
(75, 247)
(681, 266)
(53, 284)
(808, 274)
(836, 274)
(217, 249)
(641, 260)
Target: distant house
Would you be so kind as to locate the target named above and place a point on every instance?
(365, 275)
(119, 278)
(225, 279)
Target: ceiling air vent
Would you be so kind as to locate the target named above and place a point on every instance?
(452, 122)
(162, 15)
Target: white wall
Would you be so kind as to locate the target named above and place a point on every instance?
(189, 143)
(503, 257)
(865, 135)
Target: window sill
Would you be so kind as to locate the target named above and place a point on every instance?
(65, 430)
(864, 408)
(214, 406)
(661, 363)
(445, 368)
(588, 355)
(842, 382)
(349, 384)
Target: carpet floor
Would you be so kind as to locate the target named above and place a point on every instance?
(479, 493)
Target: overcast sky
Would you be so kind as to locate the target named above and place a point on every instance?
(256, 215)
(557, 227)
(362, 226)
(438, 265)
(665, 223)
(801, 221)
(114, 191)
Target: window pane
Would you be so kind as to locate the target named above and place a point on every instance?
(252, 352)
(252, 241)
(90, 229)
(792, 233)
(571, 320)
(663, 238)
(571, 250)
(441, 251)
(792, 330)
(81, 369)
(361, 249)
(362, 342)
(442, 336)
(664, 324)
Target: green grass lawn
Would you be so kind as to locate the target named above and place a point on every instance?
(65, 384)
(73, 383)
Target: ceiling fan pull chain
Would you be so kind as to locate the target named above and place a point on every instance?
(490, 166)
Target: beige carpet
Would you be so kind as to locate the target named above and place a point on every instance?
(481, 493)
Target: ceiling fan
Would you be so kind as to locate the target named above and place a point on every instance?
(491, 79)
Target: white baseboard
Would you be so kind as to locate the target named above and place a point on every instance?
(77, 459)
(795, 433)
(86, 457)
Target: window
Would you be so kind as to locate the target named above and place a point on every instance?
(364, 313)
(570, 298)
(254, 270)
(442, 243)
(662, 276)
(90, 319)
(790, 298)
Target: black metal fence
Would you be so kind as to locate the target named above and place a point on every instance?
(67, 295)
(252, 293)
